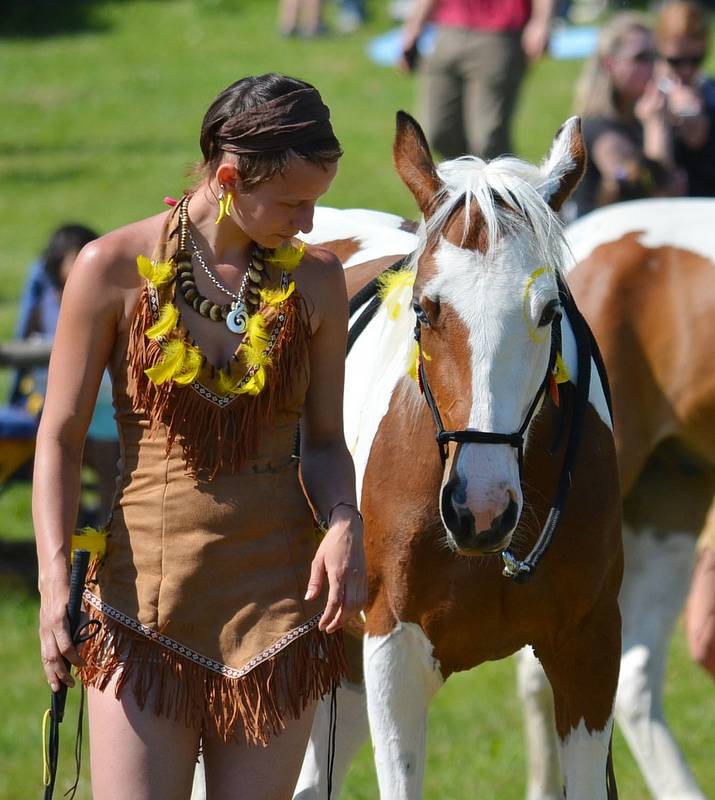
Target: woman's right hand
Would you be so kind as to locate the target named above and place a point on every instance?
(55, 639)
(651, 106)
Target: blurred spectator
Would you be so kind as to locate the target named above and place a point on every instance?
(625, 124)
(39, 311)
(682, 34)
(301, 17)
(470, 83)
(351, 15)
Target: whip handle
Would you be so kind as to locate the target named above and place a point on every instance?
(80, 563)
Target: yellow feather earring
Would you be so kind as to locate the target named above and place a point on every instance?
(224, 205)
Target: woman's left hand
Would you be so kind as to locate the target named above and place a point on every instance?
(341, 557)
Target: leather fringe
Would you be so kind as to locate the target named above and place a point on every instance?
(248, 710)
(215, 437)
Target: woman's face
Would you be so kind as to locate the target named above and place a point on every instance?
(273, 212)
(680, 57)
(631, 66)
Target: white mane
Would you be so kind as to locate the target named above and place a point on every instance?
(508, 193)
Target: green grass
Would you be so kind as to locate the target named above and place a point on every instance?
(102, 103)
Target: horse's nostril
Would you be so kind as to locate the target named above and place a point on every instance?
(455, 490)
(507, 520)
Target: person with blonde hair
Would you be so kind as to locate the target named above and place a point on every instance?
(682, 34)
(625, 125)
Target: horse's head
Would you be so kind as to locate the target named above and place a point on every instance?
(486, 299)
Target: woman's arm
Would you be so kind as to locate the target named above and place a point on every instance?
(91, 308)
(700, 611)
(326, 466)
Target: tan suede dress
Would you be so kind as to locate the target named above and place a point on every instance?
(208, 557)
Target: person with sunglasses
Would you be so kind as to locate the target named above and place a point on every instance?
(625, 126)
(682, 34)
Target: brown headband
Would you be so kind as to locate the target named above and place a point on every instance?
(288, 121)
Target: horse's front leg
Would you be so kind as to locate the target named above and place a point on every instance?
(658, 567)
(351, 730)
(583, 671)
(401, 677)
(544, 780)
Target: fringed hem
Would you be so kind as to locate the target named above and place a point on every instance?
(248, 709)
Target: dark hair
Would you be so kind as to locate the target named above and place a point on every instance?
(253, 93)
(66, 239)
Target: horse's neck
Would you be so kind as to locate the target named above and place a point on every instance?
(359, 275)
(651, 312)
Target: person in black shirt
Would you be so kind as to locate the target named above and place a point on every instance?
(682, 37)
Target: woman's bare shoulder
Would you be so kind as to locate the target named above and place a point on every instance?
(320, 264)
(321, 280)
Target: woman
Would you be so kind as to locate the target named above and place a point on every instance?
(682, 36)
(625, 125)
(218, 621)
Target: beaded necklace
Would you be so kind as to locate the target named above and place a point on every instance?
(245, 302)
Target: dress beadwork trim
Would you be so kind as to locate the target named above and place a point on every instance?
(197, 658)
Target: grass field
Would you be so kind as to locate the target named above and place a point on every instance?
(101, 111)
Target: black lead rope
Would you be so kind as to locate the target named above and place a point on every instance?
(521, 571)
(332, 731)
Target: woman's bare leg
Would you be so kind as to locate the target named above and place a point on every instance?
(313, 19)
(135, 754)
(238, 772)
(288, 11)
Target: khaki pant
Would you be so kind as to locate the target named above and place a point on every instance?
(468, 91)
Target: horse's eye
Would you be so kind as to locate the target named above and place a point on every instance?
(551, 312)
(420, 313)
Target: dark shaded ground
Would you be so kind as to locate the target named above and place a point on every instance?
(43, 18)
(18, 566)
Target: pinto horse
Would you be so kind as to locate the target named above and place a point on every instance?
(468, 341)
(644, 280)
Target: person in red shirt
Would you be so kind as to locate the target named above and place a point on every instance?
(470, 83)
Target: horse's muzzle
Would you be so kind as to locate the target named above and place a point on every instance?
(465, 538)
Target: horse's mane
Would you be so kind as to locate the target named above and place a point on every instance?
(507, 192)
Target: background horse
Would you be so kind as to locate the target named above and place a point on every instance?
(483, 288)
(645, 280)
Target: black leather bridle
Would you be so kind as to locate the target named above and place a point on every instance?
(515, 568)
(367, 299)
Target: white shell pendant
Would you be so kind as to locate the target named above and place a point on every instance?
(237, 318)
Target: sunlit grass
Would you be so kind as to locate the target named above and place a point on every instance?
(99, 123)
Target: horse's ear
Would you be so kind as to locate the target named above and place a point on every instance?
(414, 162)
(565, 163)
